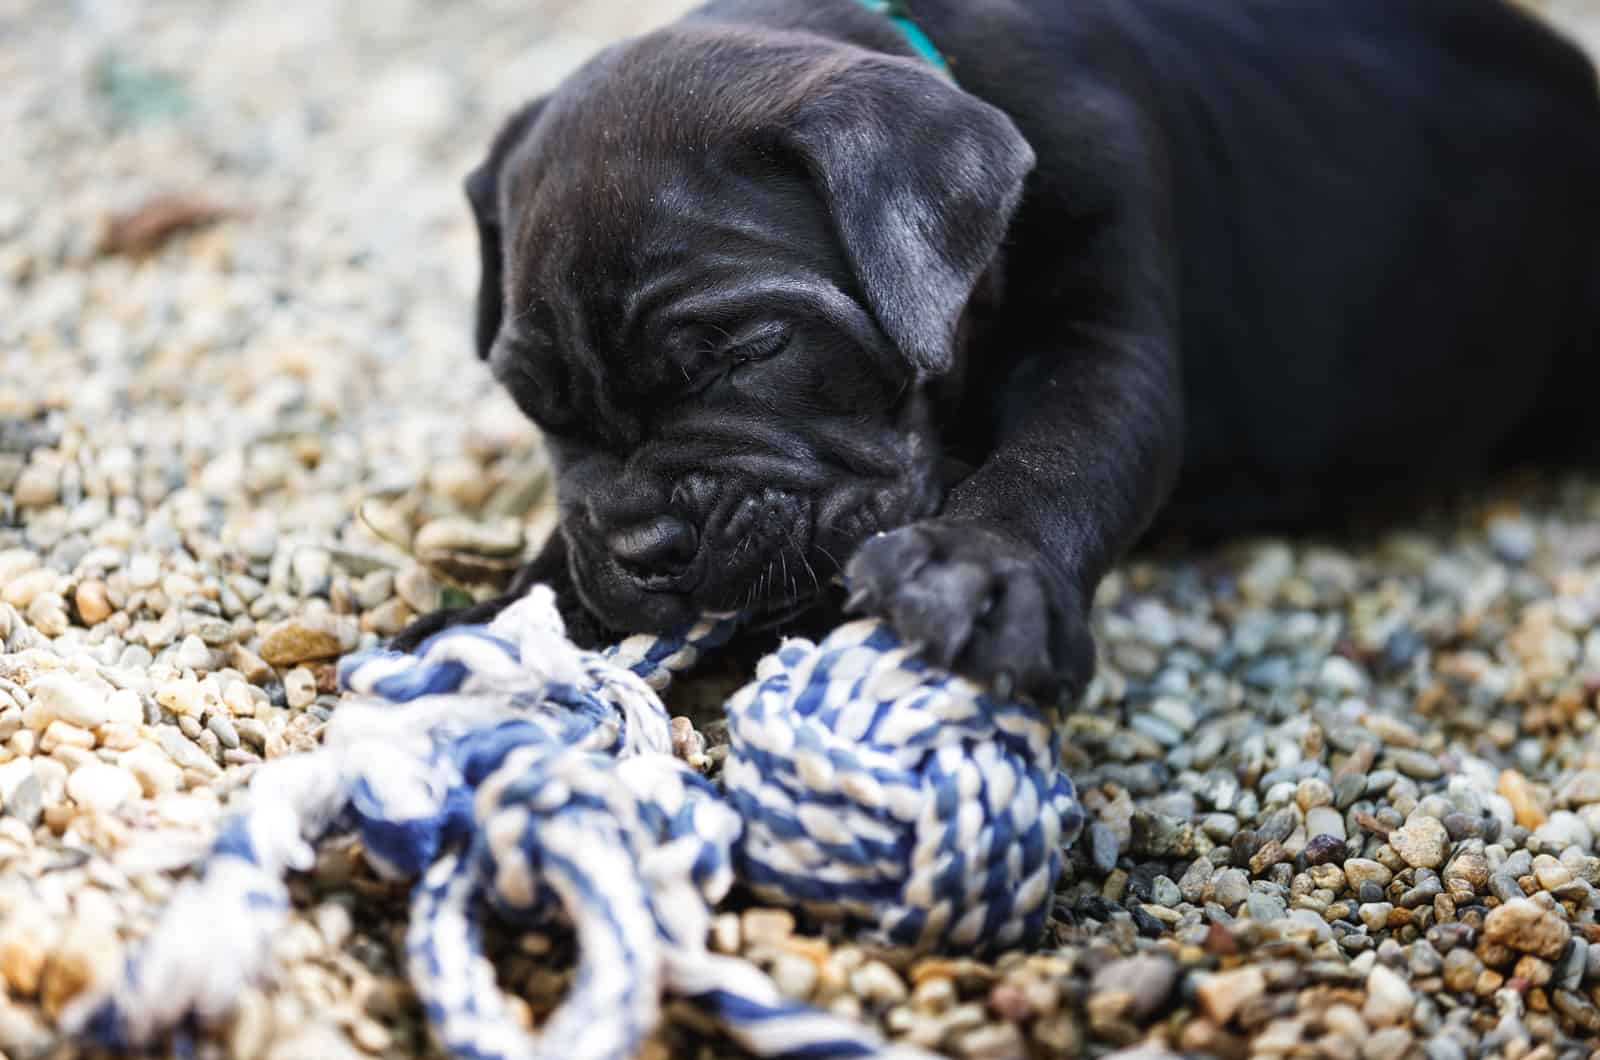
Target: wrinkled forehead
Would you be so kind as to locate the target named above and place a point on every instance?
(646, 174)
(646, 128)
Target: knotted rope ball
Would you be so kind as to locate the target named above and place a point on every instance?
(519, 775)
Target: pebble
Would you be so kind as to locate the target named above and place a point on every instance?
(155, 772)
(93, 605)
(876, 983)
(1222, 994)
(1361, 871)
(1102, 847)
(100, 787)
(83, 703)
(1325, 821)
(1141, 985)
(1526, 926)
(1389, 997)
(306, 639)
(1422, 842)
(1525, 805)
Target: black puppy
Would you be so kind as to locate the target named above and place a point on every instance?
(783, 297)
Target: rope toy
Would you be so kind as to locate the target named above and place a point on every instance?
(513, 773)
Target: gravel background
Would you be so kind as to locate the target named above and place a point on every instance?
(1346, 794)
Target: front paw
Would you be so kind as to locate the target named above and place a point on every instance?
(979, 603)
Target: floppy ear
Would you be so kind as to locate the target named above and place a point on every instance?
(922, 180)
(483, 194)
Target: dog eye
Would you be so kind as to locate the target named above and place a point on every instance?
(762, 346)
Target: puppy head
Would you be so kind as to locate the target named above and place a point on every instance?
(720, 269)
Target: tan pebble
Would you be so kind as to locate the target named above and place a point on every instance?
(1280, 1037)
(156, 773)
(15, 562)
(1469, 868)
(877, 983)
(934, 995)
(767, 926)
(48, 614)
(1551, 873)
(250, 665)
(1422, 842)
(89, 954)
(1313, 792)
(419, 590)
(20, 591)
(237, 698)
(308, 637)
(63, 734)
(1581, 789)
(1526, 926)
(387, 618)
(998, 1041)
(300, 688)
(794, 975)
(73, 757)
(117, 737)
(183, 697)
(846, 1007)
(1364, 870)
(1536, 971)
(22, 958)
(1389, 997)
(1344, 1020)
(84, 703)
(94, 606)
(1222, 994)
(334, 924)
(1525, 806)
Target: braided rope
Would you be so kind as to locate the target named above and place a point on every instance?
(515, 773)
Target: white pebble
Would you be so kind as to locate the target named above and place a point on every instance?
(101, 787)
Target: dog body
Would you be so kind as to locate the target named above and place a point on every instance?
(784, 299)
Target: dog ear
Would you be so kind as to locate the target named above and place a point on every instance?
(922, 180)
(483, 194)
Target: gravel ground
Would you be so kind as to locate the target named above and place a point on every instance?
(1345, 794)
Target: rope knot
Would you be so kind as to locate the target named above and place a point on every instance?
(516, 773)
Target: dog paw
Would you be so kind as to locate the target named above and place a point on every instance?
(979, 603)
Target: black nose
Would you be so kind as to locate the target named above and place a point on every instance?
(655, 549)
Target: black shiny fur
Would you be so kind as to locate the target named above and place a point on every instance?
(765, 279)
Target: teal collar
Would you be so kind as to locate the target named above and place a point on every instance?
(895, 11)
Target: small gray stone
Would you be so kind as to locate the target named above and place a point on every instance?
(1102, 848)
(1146, 979)
(1265, 907)
(1230, 888)
(1165, 892)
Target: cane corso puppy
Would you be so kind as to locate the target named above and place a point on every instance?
(959, 302)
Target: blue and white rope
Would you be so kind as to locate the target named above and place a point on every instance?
(515, 773)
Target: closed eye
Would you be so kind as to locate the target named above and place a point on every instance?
(716, 362)
(767, 344)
